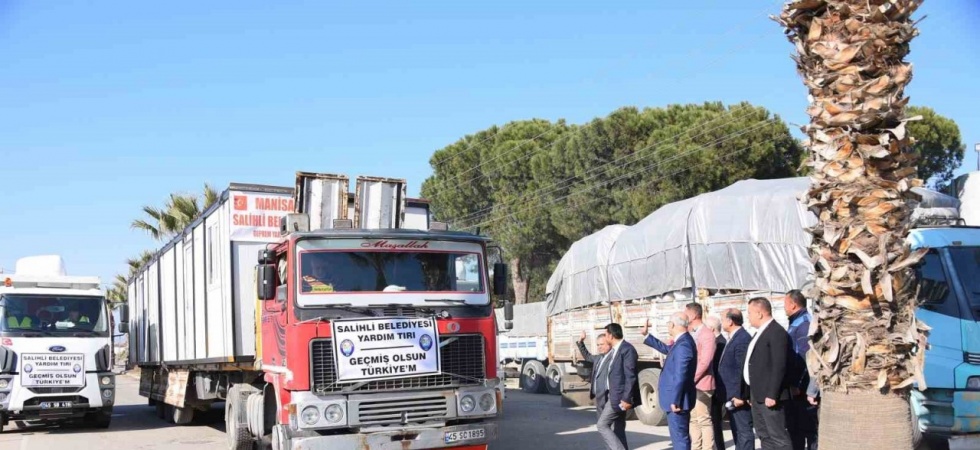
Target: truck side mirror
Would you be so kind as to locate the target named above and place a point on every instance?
(500, 279)
(508, 315)
(123, 314)
(266, 281)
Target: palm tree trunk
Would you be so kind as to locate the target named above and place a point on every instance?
(851, 57)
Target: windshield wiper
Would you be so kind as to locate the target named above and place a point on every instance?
(447, 300)
(341, 306)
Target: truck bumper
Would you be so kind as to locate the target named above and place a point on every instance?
(429, 438)
(22, 403)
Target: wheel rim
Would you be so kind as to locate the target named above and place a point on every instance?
(555, 377)
(648, 394)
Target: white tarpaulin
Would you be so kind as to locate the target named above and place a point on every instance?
(580, 278)
(967, 189)
(749, 236)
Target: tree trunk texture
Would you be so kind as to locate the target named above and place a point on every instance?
(520, 281)
(850, 54)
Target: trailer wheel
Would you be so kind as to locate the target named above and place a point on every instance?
(255, 409)
(236, 419)
(553, 378)
(650, 412)
(182, 416)
(532, 377)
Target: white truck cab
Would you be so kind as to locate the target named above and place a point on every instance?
(56, 351)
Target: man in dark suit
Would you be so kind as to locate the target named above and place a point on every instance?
(676, 390)
(801, 415)
(602, 345)
(766, 376)
(617, 389)
(729, 383)
(717, 402)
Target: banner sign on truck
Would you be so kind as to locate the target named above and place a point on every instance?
(48, 369)
(378, 349)
(255, 217)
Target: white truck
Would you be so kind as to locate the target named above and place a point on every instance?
(55, 346)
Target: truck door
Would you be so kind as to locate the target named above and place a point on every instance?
(940, 309)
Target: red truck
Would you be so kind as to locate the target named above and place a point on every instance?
(365, 334)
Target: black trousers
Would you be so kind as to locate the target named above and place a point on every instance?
(741, 422)
(770, 425)
(717, 405)
(801, 421)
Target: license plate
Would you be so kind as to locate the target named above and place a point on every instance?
(465, 435)
(55, 405)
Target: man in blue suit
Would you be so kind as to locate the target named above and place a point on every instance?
(676, 387)
(617, 389)
(730, 388)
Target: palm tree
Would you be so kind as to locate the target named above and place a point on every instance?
(177, 213)
(851, 57)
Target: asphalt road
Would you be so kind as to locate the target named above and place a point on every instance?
(529, 422)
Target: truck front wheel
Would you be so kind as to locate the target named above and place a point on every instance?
(236, 418)
(99, 419)
(650, 412)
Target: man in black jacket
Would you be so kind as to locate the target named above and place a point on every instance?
(602, 345)
(729, 389)
(766, 376)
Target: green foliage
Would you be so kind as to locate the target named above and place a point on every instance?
(937, 143)
(536, 186)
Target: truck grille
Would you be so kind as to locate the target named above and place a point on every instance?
(463, 364)
(55, 390)
(971, 358)
(404, 410)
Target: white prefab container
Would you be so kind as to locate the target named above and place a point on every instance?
(194, 302)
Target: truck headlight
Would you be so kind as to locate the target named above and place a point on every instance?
(106, 381)
(310, 415)
(467, 404)
(4, 384)
(486, 402)
(334, 413)
(973, 383)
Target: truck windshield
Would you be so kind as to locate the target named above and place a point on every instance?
(967, 263)
(338, 271)
(50, 314)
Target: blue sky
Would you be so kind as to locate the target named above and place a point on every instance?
(107, 106)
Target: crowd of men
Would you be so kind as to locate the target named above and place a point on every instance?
(715, 368)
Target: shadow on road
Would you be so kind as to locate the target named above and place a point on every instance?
(125, 418)
(538, 421)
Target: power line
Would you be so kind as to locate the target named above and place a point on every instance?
(638, 185)
(608, 167)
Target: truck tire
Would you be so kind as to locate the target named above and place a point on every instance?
(532, 377)
(236, 419)
(280, 438)
(182, 416)
(255, 409)
(553, 376)
(99, 419)
(650, 412)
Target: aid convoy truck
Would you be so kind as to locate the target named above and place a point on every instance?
(323, 320)
(55, 346)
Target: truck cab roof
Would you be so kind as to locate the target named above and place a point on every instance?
(949, 236)
(390, 234)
